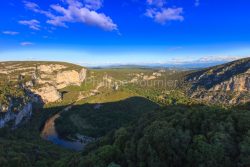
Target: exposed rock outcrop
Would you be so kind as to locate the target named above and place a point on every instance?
(17, 117)
(36, 82)
(72, 77)
(143, 77)
(61, 79)
(228, 83)
(48, 93)
(51, 68)
(235, 84)
(146, 78)
(45, 78)
(83, 74)
(26, 112)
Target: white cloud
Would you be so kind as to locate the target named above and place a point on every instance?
(35, 8)
(30, 5)
(76, 12)
(10, 32)
(33, 24)
(158, 3)
(165, 14)
(158, 11)
(208, 60)
(93, 4)
(26, 43)
(219, 58)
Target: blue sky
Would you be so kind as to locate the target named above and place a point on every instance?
(100, 32)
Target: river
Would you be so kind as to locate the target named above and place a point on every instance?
(49, 133)
(49, 130)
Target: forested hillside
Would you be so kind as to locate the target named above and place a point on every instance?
(176, 136)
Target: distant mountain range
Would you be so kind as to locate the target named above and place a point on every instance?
(181, 66)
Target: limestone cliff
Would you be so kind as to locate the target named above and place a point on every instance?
(17, 117)
(44, 78)
(72, 77)
(23, 83)
(228, 83)
(48, 93)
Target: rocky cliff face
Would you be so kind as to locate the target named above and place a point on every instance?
(16, 117)
(15, 104)
(48, 93)
(228, 83)
(44, 78)
(237, 83)
(72, 77)
(33, 82)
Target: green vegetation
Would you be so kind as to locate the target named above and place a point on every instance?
(120, 74)
(13, 94)
(27, 64)
(23, 146)
(98, 115)
(142, 124)
(163, 96)
(176, 136)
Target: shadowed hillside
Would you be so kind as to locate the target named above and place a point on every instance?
(97, 119)
(175, 136)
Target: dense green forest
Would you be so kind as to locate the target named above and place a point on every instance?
(176, 136)
(23, 147)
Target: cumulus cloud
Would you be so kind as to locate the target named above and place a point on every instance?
(158, 11)
(32, 24)
(10, 32)
(26, 43)
(93, 4)
(165, 14)
(75, 11)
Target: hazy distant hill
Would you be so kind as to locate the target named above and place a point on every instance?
(176, 66)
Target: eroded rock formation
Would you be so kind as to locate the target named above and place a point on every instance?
(48, 93)
(40, 81)
(45, 78)
(17, 117)
(228, 83)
